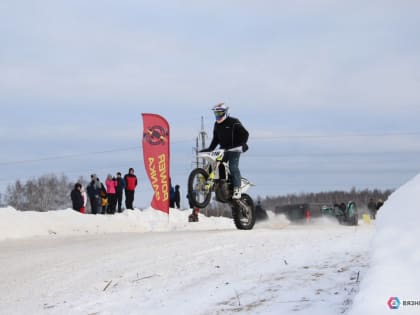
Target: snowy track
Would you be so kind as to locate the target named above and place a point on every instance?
(311, 269)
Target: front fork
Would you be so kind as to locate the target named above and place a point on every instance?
(210, 181)
(212, 175)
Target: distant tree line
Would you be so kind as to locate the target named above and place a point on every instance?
(48, 192)
(360, 197)
(217, 209)
(52, 192)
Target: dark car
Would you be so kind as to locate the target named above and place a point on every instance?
(304, 212)
(299, 212)
(260, 212)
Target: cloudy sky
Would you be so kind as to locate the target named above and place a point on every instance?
(329, 90)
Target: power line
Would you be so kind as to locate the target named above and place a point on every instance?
(331, 154)
(260, 138)
(362, 135)
(70, 156)
(77, 155)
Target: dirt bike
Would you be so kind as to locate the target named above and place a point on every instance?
(215, 177)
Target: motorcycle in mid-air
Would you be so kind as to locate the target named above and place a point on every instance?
(215, 177)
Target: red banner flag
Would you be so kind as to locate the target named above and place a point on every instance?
(156, 158)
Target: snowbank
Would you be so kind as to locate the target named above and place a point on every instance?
(25, 224)
(395, 258)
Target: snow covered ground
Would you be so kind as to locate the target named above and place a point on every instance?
(142, 262)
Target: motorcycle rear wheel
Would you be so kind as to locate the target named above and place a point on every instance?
(243, 212)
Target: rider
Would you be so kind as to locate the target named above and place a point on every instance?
(229, 133)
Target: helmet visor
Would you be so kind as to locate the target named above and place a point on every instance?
(219, 114)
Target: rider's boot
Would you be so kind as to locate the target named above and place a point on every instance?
(236, 193)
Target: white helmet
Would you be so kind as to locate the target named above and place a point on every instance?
(220, 111)
(220, 107)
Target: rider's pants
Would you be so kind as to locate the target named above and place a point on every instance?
(233, 159)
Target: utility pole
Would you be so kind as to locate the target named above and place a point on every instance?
(196, 153)
(203, 136)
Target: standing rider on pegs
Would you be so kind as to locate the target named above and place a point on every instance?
(230, 134)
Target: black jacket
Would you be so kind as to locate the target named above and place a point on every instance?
(229, 134)
(120, 185)
(76, 199)
(92, 190)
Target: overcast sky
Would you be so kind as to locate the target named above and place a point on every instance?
(329, 90)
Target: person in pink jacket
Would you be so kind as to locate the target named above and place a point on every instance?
(111, 184)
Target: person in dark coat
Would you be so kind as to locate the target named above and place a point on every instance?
(372, 209)
(93, 190)
(130, 186)
(230, 134)
(76, 197)
(171, 194)
(177, 197)
(119, 191)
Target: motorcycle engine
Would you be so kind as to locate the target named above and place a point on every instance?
(223, 191)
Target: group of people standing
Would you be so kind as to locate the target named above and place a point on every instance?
(105, 198)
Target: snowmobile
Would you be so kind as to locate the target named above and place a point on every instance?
(345, 214)
(215, 177)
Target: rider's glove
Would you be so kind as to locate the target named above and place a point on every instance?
(244, 147)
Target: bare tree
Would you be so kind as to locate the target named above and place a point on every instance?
(15, 195)
(48, 192)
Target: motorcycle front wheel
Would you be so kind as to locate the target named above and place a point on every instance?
(198, 193)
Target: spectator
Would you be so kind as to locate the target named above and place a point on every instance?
(177, 197)
(76, 197)
(193, 217)
(111, 184)
(93, 191)
(130, 186)
(103, 202)
(171, 195)
(84, 196)
(119, 190)
(372, 209)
